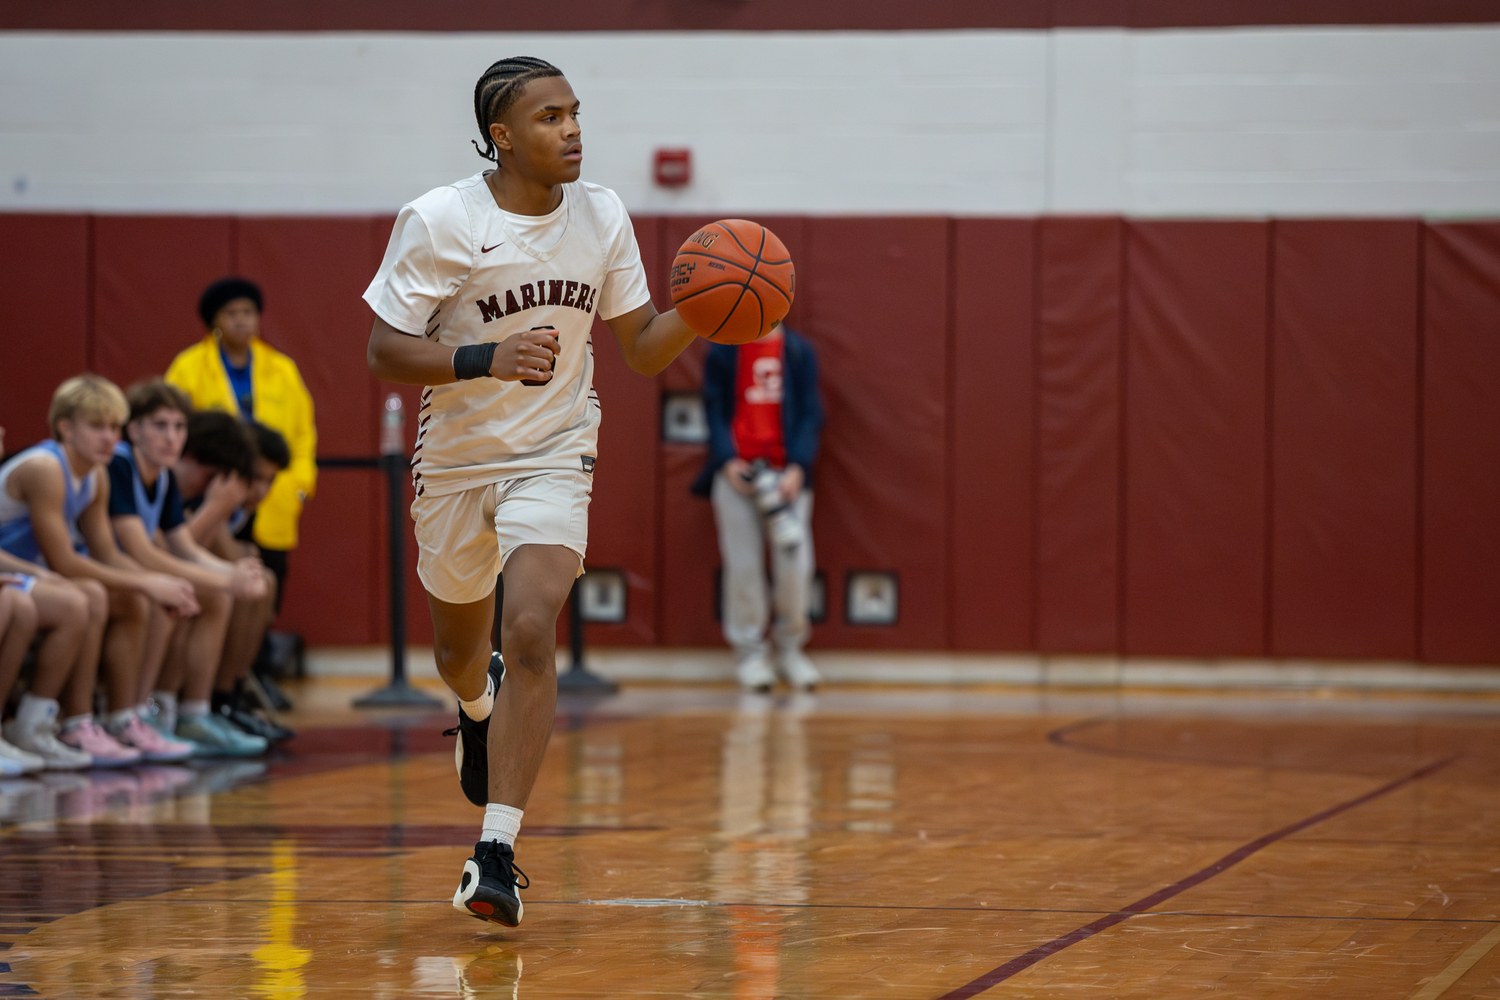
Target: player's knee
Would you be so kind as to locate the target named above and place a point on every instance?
(214, 603)
(529, 626)
(530, 638)
(132, 607)
(453, 657)
(95, 599)
(23, 615)
(76, 608)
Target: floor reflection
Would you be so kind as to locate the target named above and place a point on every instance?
(162, 793)
(280, 959)
(765, 815)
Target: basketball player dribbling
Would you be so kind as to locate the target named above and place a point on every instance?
(486, 296)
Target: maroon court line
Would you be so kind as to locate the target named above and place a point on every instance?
(996, 976)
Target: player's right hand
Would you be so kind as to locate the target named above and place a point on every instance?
(225, 492)
(737, 473)
(173, 593)
(526, 355)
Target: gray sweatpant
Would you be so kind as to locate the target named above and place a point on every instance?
(742, 544)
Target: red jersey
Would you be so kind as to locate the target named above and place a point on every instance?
(758, 388)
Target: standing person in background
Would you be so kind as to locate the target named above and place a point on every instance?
(232, 369)
(764, 422)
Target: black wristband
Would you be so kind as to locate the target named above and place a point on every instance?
(473, 360)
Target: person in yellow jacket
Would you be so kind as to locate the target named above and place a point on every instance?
(233, 369)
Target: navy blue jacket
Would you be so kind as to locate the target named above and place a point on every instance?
(801, 411)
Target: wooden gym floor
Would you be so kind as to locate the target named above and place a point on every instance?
(860, 843)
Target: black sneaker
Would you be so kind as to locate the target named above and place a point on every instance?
(470, 753)
(489, 888)
(251, 723)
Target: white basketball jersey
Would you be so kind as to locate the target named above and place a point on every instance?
(458, 272)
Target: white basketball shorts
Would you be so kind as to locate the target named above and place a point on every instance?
(464, 539)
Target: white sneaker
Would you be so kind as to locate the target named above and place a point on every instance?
(755, 673)
(42, 741)
(799, 671)
(15, 761)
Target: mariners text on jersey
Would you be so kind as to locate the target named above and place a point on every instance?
(545, 292)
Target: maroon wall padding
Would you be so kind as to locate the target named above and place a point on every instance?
(1078, 435)
(312, 273)
(690, 553)
(1195, 438)
(418, 620)
(44, 267)
(992, 434)
(1461, 445)
(1344, 440)
(763, 15)
(875, 308)
(148, 274)
(623, 513)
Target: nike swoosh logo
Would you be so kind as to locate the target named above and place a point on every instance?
(488, 249)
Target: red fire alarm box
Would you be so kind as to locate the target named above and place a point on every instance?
(674, 167)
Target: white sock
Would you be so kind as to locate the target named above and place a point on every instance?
(34, 712)
(166, 708)
(116, 721)
(193, 709)
(501, 824)
(480, 708)
(77, 720)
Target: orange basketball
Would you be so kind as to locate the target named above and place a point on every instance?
(733, 281)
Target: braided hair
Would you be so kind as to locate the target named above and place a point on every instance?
(497, 90)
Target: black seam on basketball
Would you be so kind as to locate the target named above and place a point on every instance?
(730, 233)
(745, 287)
(758, 258)
(759, 304)
(734, 308)
(710, 288)
(757, 253)
(699, 253)
(777, 288)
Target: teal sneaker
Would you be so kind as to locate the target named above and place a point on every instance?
(215, 737)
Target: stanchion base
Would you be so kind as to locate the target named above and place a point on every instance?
(398, 694)
(582, 680)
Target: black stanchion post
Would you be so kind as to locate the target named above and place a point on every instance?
(398, 693)
(579, 679)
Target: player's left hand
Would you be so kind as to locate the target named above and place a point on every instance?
(247, 579)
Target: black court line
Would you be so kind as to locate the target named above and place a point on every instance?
(1021, 963)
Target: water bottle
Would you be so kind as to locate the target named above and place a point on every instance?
(393, 427)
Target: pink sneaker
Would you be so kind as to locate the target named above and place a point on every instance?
(99, 745)
(153, 745)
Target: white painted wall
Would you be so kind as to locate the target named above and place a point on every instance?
(1374, 121)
